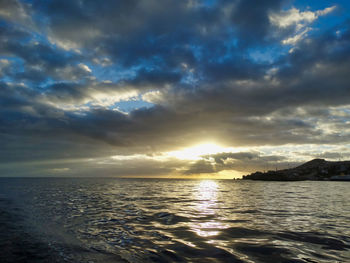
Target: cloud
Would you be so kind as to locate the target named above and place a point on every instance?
(326, 11)
(80, 96)
(299, 20)
(299, 36)
(199, 167)
(16, 12)
(251, 20)
(63, 81)
(295, 17)
(5, 67)
(240, 98)
(84, 67)
(237, 161)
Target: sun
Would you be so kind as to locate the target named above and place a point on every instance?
(197, 151)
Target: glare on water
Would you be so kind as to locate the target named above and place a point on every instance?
(207, 206)
(191, 220)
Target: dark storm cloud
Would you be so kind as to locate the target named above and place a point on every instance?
(66, 92)
(165, 33)
(233, 69)
(156, 78)
(13, 96)
(331, 155)
(243, 156)
(251, 20)
(314, 74)
(86, 91)
(199, 167)
(240, 161)
(130, 31)
(16, 11)
(38, 60)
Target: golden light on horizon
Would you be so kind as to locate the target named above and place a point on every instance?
(187, 156)
(197, 151)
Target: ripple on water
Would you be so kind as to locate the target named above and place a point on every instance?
(147, 221)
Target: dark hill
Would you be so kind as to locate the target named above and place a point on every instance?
(317, 169)
(313, 164)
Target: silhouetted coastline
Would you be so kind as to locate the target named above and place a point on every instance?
(316, 170)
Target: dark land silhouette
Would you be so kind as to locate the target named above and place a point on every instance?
(316, 169)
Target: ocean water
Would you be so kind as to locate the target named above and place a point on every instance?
(150, 220)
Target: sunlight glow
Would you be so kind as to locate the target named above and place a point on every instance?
(207, 207)
(207, 190)
(195, 152)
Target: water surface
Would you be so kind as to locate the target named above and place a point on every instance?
(149, 220)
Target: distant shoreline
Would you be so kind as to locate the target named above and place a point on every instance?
(314, 170)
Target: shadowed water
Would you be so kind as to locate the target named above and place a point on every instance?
(136, 220)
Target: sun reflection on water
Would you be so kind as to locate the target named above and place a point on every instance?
(207, 224)
(207, 190)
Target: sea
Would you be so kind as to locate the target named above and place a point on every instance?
(169, 220)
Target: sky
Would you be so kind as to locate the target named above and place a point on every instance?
(190, 88)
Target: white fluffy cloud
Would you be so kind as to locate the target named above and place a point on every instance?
(298, 19)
